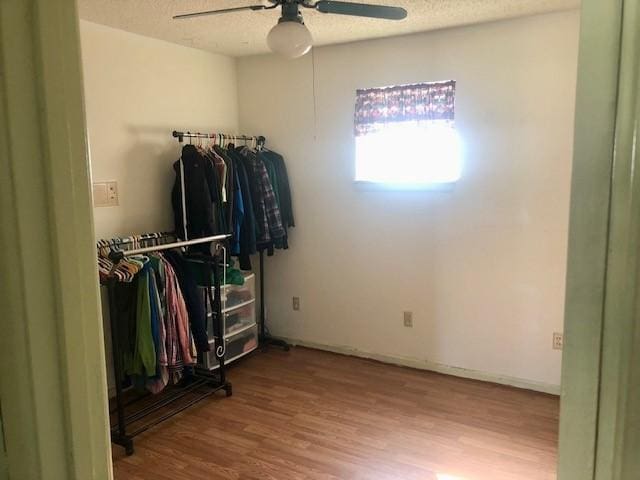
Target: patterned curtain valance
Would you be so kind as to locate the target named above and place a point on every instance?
(420, 101)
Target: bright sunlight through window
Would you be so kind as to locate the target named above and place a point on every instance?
(405, 135)
(409, 154)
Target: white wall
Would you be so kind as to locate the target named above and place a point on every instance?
(483, 266)
(137, 91)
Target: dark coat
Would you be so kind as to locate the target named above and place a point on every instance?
(203, 206)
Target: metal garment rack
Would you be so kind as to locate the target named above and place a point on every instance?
(193, 383)
(265, 339)
(217, 136)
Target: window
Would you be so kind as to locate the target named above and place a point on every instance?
(405, 135)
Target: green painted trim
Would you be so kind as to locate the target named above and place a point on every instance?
(4, 467)
(588, 236)
(52, 369)
(28, 408)
(617, 447)
(600, 415)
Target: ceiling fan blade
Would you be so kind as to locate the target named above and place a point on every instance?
(216, 12)
(361, 10)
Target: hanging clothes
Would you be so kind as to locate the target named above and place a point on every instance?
(268, 217)
(246, 236)
(160, 380)
(239, 191)
(192, 298)
(125, 307)
(259, 211)
(238, 215)
(230, 192)
(144, 355)
(200, 204)
(186, 351)
(155, 329)
(284, 190)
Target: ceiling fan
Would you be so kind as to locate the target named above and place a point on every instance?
(290, 37)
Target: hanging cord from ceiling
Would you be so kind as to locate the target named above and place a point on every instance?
(315, 103)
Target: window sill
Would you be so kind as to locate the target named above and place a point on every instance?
(400, 187)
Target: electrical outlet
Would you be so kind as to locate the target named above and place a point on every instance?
(408, 319)
(296, 303)
(558, 341)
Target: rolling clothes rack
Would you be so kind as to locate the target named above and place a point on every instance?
(194, 380)
(265, 338)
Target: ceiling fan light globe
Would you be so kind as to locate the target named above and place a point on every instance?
(290, 39)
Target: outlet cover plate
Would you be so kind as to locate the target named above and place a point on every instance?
(558, 340)
(408, 319)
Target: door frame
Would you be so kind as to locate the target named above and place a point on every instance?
(52, 372)
(600, 408)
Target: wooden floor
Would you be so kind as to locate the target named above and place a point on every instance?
(308, 414)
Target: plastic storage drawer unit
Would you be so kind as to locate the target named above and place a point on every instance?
(238, 319)
(234, 295)
(237, 346)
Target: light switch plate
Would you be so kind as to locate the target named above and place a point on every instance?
(105, 194)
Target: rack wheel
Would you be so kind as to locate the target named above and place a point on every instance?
(228, 390)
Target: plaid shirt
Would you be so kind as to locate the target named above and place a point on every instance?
(267, 212)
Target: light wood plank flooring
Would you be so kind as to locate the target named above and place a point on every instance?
(308, 414)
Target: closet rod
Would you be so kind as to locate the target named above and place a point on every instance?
(180, 136)
(168, 246)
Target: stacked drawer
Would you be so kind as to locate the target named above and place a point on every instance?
(241, 329)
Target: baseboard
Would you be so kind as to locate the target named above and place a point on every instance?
(432, 366)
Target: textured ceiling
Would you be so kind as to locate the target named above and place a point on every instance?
(244, 33)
